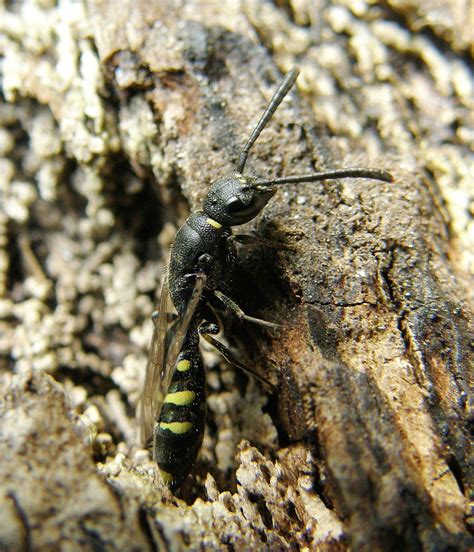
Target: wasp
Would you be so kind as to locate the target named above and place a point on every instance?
(172, 408)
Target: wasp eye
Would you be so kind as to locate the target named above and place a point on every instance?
(234, 204)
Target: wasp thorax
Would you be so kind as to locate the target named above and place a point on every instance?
(236, 199)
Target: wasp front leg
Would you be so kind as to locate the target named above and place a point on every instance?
(232, 305)
(249, 239)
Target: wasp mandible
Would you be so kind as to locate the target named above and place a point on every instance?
(172, 408)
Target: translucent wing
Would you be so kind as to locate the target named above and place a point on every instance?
(166, 344)
(155, 366)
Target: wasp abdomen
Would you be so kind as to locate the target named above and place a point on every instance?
(180, 429)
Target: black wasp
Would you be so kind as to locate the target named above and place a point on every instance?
(173, 403)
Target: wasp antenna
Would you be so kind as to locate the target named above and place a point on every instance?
(373, 174)
(272, 106)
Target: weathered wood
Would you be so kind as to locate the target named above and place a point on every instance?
(52, 495)
(374, 351)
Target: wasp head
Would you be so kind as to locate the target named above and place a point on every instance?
(236, 199)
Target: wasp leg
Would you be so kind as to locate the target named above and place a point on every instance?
(211, 316)
(207, 330)
(240, 313)
(249, 239)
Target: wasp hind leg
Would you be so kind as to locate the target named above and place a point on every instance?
(207, 330)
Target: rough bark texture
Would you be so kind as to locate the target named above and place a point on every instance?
(117, 116)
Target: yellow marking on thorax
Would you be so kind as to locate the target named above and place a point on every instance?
(177, 427)
(180, 398)
(214, 223)
(183, 365)
(166, 476)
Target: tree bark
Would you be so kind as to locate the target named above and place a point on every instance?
(365, 444)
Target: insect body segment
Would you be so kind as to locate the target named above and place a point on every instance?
(173, 406)
(199, 236)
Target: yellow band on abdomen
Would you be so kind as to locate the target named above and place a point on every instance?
(177, 427)
(183, 365)
(180, 398)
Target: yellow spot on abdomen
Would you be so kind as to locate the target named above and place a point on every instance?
(180, 398)
(166, 476)
(214, 223)
(177, 427)
(183, 365)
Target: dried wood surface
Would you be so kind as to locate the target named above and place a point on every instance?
(117, 118)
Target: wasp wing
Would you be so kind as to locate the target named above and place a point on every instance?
(155, 365)
(166, 344)
(181, 327)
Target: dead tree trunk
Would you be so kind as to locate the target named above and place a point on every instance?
(365, 444)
